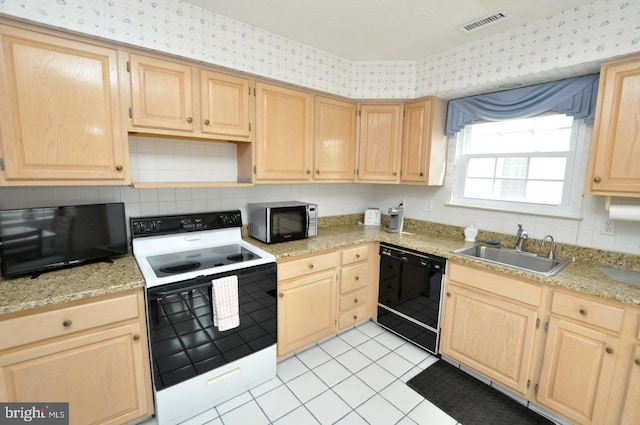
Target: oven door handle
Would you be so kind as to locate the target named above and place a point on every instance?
(160, 294)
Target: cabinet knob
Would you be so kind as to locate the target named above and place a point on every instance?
(67, 323)
(637, 362)
(310, 266)
(357, 278)
(421, 174)
(357, 255)
(448, 294)
(355, 317)
(136, 337)
(597, 180)
(189, 120)
(583, 312)
(119, 167)
(395, 173)
(281, 294)
(317, 171)
(206, 122)
(355, 301)
(308, 171)
(609, 350)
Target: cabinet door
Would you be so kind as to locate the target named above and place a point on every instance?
(334, 155)
(491, 335)
(59, 111)
(379, 150)
(576, 373)
(225, 102)
(101, 375)
(424, 144)
(284, 138)
(161, 94)
(616, 132)
(306, 310)
(631, 410)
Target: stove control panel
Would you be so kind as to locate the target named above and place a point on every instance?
(148, 226)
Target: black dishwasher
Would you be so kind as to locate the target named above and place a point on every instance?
(409, 298)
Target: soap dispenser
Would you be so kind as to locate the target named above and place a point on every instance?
(470, 233)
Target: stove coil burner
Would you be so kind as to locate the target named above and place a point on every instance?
(244, 256)
(180, 267)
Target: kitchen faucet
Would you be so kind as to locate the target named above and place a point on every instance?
(552, 246)
(520, 237)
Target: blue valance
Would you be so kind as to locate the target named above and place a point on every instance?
(573, 96)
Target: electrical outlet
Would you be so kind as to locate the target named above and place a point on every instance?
(425, 205)
(607, 226)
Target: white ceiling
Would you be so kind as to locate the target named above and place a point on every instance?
(382, 30)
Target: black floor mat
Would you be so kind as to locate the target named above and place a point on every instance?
(468, 400)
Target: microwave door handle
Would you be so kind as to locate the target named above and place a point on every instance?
(306, 230)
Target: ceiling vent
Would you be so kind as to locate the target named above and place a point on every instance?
(485, 21)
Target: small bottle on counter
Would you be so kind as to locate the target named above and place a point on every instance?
(470, 233)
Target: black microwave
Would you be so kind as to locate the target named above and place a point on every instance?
(272, 222)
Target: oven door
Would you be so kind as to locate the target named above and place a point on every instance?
(288, 223)
(184, 341)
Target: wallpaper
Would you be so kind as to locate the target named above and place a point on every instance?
(565, 44)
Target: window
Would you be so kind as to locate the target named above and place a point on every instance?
(521, 165)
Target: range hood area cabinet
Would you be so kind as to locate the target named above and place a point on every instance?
(173, 99)
(176, 99)
(613, 169)
(60, 120)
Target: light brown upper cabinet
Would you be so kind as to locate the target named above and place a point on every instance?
(334, 155)
(60, 121)
(424, 144)
(284, 139)
(379, 149)
(613, 168)
(172, 98)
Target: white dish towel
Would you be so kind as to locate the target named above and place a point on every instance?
(224, 301)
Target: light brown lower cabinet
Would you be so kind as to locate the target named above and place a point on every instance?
(94, 357)
(491, 324)
(578, 369)
(578, 356)
(320, 294)
(631, 408)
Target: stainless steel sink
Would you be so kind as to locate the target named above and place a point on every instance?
(511, 258)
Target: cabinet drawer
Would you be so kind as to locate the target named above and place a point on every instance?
(353, 255)
(352, 300)
(588, 311)
(353, 277)
(352, 317)
(67, 320)
(497, 283)
(304, 266)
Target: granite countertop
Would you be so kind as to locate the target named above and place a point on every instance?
(69, 284)
(103, 278)
(580, 276)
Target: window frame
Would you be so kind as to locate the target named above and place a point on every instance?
(575, 172)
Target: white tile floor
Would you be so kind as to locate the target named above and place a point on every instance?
(356, 377)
